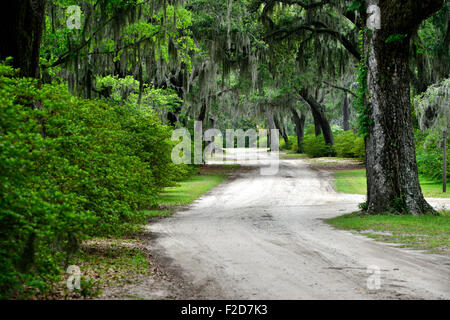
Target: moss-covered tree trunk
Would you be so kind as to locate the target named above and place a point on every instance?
(319, 115)
(345, 114)
(22, 22)
(299, 127)
(279, 125)
(392, 178)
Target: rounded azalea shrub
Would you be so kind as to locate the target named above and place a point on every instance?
(315, 146)
(349, 145)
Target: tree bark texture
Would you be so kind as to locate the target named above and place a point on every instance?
(319, 115)
(299, 127)
(345, 114)
(392, 177)
(21, 23)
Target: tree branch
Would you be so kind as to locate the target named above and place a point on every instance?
(340, 88)
(308, 27)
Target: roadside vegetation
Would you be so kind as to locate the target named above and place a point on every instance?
(111, 262)
(188, 190)
(117, 260)
(430, 233)
(354, 181)
(290, 156)
(89, 103)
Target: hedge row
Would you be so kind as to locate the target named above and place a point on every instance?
(346, 144)
(70, 168)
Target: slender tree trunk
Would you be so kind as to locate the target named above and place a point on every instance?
(317, 126)
(279, 126)
(299, 127)
(319, 114)
(88, 83)
(141, 84)
(345, 114)
(444, 169)
(270, 125)
(392, 178)
(21, 24)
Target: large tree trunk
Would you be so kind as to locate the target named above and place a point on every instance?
(21, 25)
(319, 115)
(299, 127)
(392, 178)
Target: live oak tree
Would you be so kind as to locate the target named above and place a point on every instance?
(392, 177)
(322, 42)
(211, 52)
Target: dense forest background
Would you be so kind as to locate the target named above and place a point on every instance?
(90, 96)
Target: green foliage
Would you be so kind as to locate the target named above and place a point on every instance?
(71, 168)
(432, 107)
(354, 181)
(114, 30)
(361, 106)
(316, 147)
(396, 38)
(290, 146)
(126, 91)
(356, 5)
(429, 154)
(349, 145)
(336, 129)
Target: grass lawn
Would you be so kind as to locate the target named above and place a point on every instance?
(425, 232)
(354, 181)
(288, 156)
(189, 190)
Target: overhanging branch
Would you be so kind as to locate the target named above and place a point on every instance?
(340, 88)
(287, 32)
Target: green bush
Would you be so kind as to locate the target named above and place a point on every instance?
(429, 155)
(290, 146)
(315, 147)
(71, 168)
(359, 149)
(349, 145)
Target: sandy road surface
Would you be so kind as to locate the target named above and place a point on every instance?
(262, 237)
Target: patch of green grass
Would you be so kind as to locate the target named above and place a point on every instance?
(354, 181)
(351, 181)
(335, 163)
(158, 213)
(423, 232)
(189, 190)
(433, 189)
(288, 156)
(185, 192)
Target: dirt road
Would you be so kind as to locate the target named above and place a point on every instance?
(262, 237)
